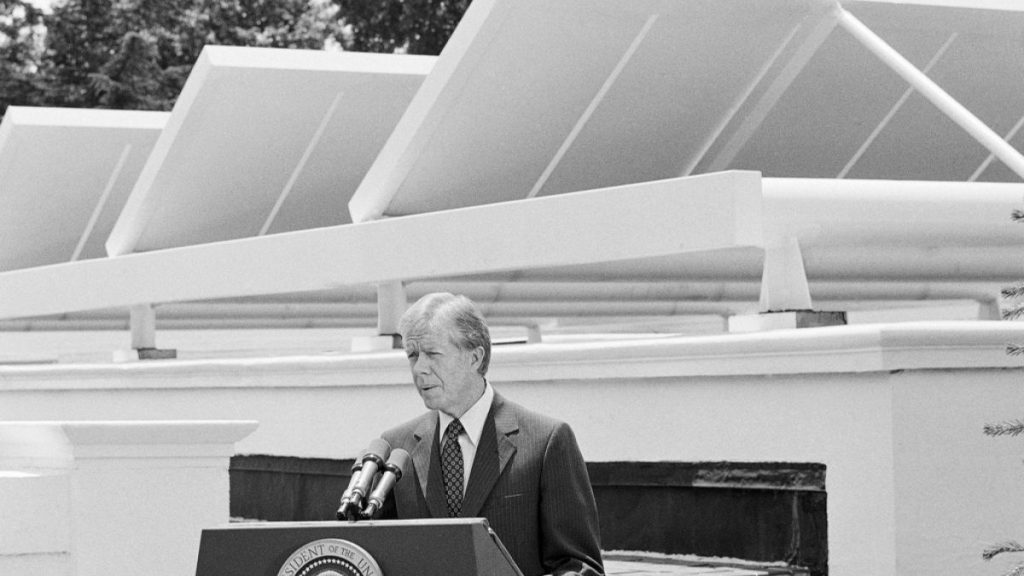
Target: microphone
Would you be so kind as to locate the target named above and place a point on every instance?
(373, 460)
(346, 496)
(392, 474)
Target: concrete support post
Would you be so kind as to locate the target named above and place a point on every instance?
(143, 326)
(391, 304)
(142, 322)
(785, 296)
(783, 278)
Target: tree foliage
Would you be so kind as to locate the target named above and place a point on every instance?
(269, 23)
(1013, 309)
(137, 54)
(409, 26)
(20, 28)
(81, 36)
(21, 45)
(130, 79)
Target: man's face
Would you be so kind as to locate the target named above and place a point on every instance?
(445, 375)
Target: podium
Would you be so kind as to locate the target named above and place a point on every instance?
(434, 547)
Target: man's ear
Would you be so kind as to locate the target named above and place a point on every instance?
(477, 356)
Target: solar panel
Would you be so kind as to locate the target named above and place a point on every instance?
(849, 116)
(263, 141)
(530, 99)
(64, 176)
(536, 99)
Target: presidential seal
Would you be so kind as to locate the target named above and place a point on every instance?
(330, 557)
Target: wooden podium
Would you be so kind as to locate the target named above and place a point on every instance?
(449, 547)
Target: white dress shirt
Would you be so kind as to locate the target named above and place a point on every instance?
(473, 428)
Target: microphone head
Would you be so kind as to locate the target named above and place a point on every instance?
(359, 460)
(398, 461)
(378, 447)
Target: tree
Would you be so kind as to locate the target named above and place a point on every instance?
(409, 26)
(1013, 297)
(138, 53)
(268, 23)
(1013, 309)
(81, 36)
(131, 80)
(21, 42)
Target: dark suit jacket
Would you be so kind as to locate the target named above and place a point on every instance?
(528, 479)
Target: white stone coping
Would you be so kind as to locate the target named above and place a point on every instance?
(857, 349)
(35, 509)
(56, 445)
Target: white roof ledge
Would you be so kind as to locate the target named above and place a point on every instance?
(851, 349)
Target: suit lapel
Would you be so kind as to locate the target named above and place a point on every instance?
(492, 455)
(428, 466)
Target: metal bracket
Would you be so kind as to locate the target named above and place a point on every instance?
(143, 334)
(391, 305)
(946, 104)
(783, 279)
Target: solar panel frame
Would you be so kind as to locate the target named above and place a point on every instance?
(265, 141)
(64, 176)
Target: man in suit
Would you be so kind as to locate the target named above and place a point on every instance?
(477, 454)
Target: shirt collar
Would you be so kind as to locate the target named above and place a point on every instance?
(473, 419)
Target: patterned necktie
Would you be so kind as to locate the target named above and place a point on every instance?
(452, 468)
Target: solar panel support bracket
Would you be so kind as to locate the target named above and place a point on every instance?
(391, 305)
(142, 321)
(783, 278)
(785, 295)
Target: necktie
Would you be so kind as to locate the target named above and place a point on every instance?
(451, 467)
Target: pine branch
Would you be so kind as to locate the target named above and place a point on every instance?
(1015, 291)
(1008, 428)
(1014, 313)
(997, 549)
(1017, 215)
(1014, 350)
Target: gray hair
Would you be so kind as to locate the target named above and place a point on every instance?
(466, 326)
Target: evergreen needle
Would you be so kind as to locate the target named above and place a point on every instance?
(1009, 428)
(997, 549)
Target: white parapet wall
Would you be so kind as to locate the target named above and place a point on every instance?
(111, 497)
(894, 411)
